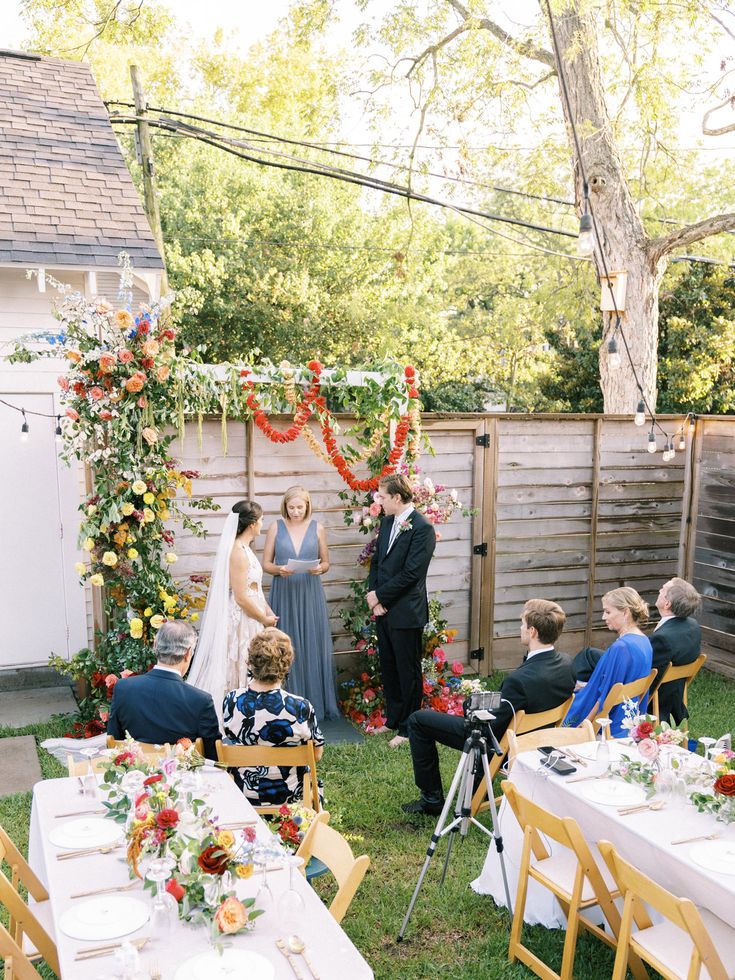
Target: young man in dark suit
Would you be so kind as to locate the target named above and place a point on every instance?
(159, 707)
(677, 639)
(398, 599)
(544, 680)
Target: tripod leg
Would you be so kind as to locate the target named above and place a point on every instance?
(497, 836)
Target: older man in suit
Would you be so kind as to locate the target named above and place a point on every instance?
(398, 599)
(677, 639)
(159, 707)
(544, 680)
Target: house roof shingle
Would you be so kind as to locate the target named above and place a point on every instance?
(66, 196)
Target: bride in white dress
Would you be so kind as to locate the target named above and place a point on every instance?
(236, 608)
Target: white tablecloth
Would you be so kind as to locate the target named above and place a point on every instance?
(644, 839)
(331, 951)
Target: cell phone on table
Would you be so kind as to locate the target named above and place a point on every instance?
(561, 767)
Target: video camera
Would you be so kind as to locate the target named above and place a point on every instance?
(480, 707)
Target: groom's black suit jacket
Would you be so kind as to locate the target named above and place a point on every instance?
(159, 707)
(398, 576)
(678, 641)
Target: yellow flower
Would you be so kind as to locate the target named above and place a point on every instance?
(139, 487)
(109, 558)
(132, 554)
(127, 509)
(148, 515)
(136, 628)
(96, 579)
(124, 319)
(164, 514)
(225, 838)
(157, 621)
(194, 617)
(104, 528)
(149, 497)
(244, 870)
(80, 568)
(171, 557)
(147, 611)
(88, 544)
(91, 509)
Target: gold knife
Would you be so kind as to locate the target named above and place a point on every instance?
(109, 949)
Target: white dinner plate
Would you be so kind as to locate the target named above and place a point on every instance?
(715, 855)
(612, 792)
(85, 832)
(233, 964)
(106, 917)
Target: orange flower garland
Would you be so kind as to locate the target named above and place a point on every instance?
(303, 410)
(340, 463)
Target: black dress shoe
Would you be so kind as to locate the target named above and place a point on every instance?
(431, 808)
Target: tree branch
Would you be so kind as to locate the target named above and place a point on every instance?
(419, 59)
(718, 223)
(718, 130)
(524, 48)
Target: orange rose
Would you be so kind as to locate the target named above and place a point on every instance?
(124, 320)
(150, 435)
(231, 915)
(163, 372)
(135, 383)
(151, 348)
(107, 362)
(74, 356)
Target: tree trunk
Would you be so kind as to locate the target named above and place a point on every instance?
(623, 243)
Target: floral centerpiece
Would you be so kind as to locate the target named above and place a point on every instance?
(721, 800)
(649, 734)
(292, 822)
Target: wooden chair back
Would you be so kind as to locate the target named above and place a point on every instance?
(80, 767)
(254, 756)
(329, 846)
(557, 737)
(25, 922)
(15, 962)
(535, 822)
(522, 722)
(623, 692)
(150, 749)
(640, 891)
(687, 673)
(21, 873)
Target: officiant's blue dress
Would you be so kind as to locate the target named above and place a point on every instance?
(299, 603)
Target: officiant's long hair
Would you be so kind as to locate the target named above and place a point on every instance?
(303, 494)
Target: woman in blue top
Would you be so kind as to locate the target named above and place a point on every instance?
(627, 660)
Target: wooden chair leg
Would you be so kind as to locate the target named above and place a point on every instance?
(621, 956)
(517, 925)
(570, 942)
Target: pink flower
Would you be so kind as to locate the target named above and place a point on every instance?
(457, 668)
(368, 694)
(105, 415)
(96, 393)
(104, 715)
(111, 680)
(72, 414)
(127, 673)
(648, 749)
(169, 767)
(375, 510)
(360, 645)
(249, 834)
(439, 656)
(125, 356)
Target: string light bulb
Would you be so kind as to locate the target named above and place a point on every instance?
(613, 355)
(652, 442)
(58, 433)
(24, 429)
(692, 423)
(640, 413)
(586, 240)
(682, 442)
(668, 452)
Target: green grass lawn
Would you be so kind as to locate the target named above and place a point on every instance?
(452, 930)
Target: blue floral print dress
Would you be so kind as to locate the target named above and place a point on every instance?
(269, 718)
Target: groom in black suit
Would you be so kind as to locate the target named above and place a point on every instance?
(159, 707)
(398, 600)
(544, 680)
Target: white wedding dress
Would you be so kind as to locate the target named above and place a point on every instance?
(241, 627)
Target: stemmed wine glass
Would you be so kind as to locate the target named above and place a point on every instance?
(264, 853)
(290, 904)
(89, 782)
(603, 746)
(165, 912)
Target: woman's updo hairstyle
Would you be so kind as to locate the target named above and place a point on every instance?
(270, 655)
(627, 598)
(248, 513)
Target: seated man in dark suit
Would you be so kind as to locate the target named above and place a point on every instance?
(159, 707)
(677, 639)
(544, 680)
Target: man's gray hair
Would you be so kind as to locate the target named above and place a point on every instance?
(684, 598)
(173, 641)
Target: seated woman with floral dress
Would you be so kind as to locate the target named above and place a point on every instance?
(264, 714)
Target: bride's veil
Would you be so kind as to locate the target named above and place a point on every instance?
(209, 666)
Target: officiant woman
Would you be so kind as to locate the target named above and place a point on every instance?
(297, 598)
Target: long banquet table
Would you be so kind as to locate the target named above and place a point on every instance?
(331, 952)
(641, 838)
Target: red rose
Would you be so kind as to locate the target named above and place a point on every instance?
(156, 778)
(213, 860)
(726, 784)
(645, 729)
(124, 759)
(175, 889)
(409, 371)
(167, 818)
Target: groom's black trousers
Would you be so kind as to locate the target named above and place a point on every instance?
(399, 652)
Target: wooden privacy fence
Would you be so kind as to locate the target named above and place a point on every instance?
(566, 508)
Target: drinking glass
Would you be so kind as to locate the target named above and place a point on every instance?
(165, 911)
(290, 904)
(263, 855)
(89, 781)
(603, 747)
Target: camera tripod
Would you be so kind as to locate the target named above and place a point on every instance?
(473, 761)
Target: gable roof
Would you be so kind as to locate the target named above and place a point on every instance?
(66, 195)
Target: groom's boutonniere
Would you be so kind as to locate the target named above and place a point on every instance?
(404, 525)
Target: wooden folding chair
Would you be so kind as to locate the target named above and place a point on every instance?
(329, 846)
(556, 737)
(261, 756)
(21, 873)
(689, 939)
(80, 767)
(571, 874)
(622, 692)
(151, 749)
(521, 723)
(687, 673)
(32, 930)
(15, 962)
